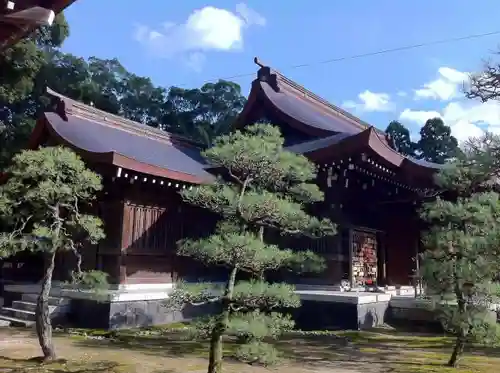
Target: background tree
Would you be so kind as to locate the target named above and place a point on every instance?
(462, 258)
(400, 138)
(265, 188)
(485, 85)
(20, 65)
(436, 143)
(205, 113)
(40, 202)
(200, 114)
(37, 62)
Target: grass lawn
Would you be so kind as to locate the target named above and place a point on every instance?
(166, 352)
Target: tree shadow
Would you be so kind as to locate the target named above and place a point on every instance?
(383, 350)
(365, 350)
(58, 366)
(167, 346)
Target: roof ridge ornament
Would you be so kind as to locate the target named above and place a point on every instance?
(266, 72)
(66, 105)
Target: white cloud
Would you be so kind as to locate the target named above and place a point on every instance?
(445, 87)
(466, 118)
(402, 94)
(370, 101)
(250, 16)
(418, 116)
(205, 29)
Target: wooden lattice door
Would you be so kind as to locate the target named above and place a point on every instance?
(364, 258)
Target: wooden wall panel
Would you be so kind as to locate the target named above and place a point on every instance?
(151, 230)
(401, 240)
(111, 213)
(149, 269)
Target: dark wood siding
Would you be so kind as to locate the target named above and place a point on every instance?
(151, 229)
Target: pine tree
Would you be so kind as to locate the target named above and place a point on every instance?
(262, 187)
(40, 205)
(463, 255)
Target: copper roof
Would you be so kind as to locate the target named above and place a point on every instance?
(17, 17)
(105, 138)
(328, 130)
(304, 110)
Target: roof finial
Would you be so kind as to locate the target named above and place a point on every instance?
(258, 62)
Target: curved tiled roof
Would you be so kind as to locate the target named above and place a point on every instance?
(101, 138)
(107, 138)
(19, 20)
(301, 110)
(331, 127)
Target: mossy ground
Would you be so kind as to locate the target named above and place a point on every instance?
(163, 350)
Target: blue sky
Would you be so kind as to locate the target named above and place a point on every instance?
(186, 43)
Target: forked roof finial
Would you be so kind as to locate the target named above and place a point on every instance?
(258, 62)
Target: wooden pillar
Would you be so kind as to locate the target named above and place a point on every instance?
(122, 272)
(124, 242)
(350, 257)
(109, 250)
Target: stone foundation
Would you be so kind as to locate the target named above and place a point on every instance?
(314, 315)
(87, 313)
(323, 307)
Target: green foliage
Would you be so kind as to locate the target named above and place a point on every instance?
(256, 326)
(305, 262)
(40, 202)
(90, 280)
(436, 143)
(40, 207)
(462, 256)
(233, 249)
(202, 113)
(193, 293)
(253, 295)
(400, 138)
(261, 186)
(257, 352)
(36, 62)
(21, 65)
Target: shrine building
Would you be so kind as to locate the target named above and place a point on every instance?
(18, 18)
(371, 191)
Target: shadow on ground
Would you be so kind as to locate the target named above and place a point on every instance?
(32, 365)
(378, 351)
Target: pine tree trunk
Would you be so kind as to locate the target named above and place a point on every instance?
(215, 358)
(261, 238)
(462, 333)
(457, 352)
(43, 323)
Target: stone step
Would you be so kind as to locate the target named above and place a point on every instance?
(53, 301)
(12, 321)
(29, 306)
(4, 323)
(18, 314)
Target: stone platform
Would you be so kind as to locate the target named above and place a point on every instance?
(126, 306)
(325, 307)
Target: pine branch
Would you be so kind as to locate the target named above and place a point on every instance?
(194, 294)
(244, 251)
(261, 295)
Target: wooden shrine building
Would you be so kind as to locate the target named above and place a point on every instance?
(20, 17)
(371, 191)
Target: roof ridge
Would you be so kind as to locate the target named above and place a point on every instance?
(313, 95)
(93, 113)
